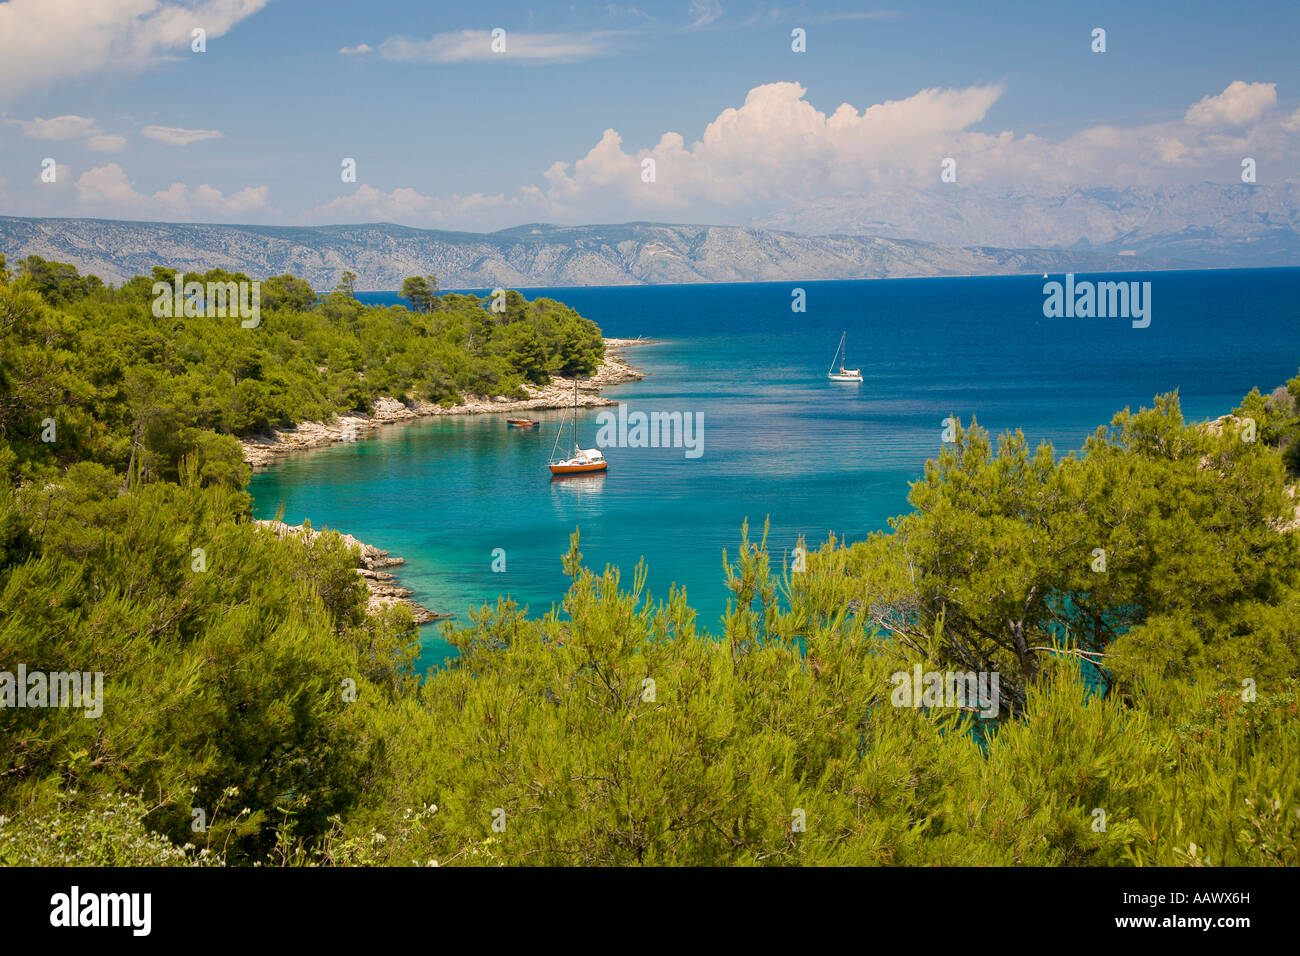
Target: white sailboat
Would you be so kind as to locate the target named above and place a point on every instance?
(843, 374)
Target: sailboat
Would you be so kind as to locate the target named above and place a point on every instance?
(584, 460)
(844, 374)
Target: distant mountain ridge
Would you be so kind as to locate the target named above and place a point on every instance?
(1210, 224)
(383, 254)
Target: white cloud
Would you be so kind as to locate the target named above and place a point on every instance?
(48, 41)
(107, 188)
(63, 128)
(776, 151)
(57, 128)
(778, 145)
(704, 12)
(773, 153)
(405, 205)
(353, 50)
(178, 136)
(1241, 103)
(467, 45)
(106, 143)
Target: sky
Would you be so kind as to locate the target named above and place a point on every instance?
(447, 132)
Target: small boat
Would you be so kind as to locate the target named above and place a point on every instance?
(522, 422)
(584, 461)
(844, 374)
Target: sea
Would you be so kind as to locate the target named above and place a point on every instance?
(471, 506)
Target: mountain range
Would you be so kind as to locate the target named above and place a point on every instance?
(888, 234)
(382, 254)
(1208, 224)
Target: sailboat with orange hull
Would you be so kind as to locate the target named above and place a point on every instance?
(584, 461)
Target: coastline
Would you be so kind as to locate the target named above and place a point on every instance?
(372, 563)
(385, 591)
(263, 450)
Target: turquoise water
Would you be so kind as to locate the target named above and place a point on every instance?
(779, 440)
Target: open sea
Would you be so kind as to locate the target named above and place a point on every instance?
(779, 441)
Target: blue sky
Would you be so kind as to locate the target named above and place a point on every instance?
(448, 134)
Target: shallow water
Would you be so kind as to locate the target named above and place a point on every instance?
(779, 440)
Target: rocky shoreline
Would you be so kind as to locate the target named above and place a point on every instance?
(371, 565)
(263, 450)
(374, 562)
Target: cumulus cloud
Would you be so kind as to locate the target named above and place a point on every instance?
(777, 144)
(353, 50)
(47, 41)
(777, 148)
(774, 145)
(108, 189)
(773, 152)
(178, 136)
(1241, 103)
(777, 151)
(466, 45)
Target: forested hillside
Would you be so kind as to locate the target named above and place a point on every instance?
(116, 379)
(253, 713)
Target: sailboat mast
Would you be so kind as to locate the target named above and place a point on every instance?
(837, 353)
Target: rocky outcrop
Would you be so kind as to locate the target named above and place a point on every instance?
(372, 563)
(263, 450)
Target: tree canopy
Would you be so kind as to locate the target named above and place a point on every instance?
(1138, 597)
(128, 389)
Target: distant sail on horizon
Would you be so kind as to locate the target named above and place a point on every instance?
(843, 374)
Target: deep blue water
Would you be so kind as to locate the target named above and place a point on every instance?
(779, 440)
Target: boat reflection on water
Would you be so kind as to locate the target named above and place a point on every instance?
(579, 484)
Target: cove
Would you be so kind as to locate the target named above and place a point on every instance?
(782, 443)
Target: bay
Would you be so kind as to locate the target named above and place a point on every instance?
(779, 442)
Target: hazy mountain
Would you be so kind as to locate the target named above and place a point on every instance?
(1209, 224)
(535, 255)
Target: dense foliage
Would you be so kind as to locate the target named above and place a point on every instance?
(1150, 706)
(118, 380)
